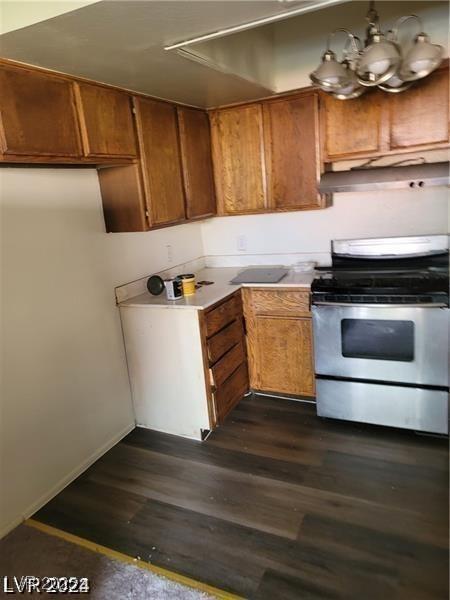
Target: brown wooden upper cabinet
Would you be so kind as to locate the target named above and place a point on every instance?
(38, 115)
(151, 193)
(352, 127)
(161, 161)
(195, 144)
(379, 123)
(106, 118)
(420, 116)
(238, 158)
(291, 129)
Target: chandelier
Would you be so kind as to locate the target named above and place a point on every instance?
(382, 62)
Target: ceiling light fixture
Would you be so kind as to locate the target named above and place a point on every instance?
(381, 63)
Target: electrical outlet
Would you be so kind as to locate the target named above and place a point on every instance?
(241, 242)
(169, 253)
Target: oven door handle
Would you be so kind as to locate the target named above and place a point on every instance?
(363, 305)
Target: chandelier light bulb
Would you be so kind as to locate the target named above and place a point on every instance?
(353, 89)
(378, 61)
(422, 59)
(331, 75)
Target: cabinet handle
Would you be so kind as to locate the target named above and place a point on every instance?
(211, 379)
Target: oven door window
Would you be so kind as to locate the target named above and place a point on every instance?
(378, 339)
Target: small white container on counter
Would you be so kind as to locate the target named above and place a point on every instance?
(304, 266)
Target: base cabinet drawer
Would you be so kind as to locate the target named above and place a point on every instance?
(228, 364)
(219, 344)
(222, 315)
(230, 392)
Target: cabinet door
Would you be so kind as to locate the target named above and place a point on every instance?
(420, 116)
(280, 354)
(123, 198)
(106, 121)
(38, 114)
(291, 127)
(161, 162)
(238, 156)
(353, 127)
(195, 143)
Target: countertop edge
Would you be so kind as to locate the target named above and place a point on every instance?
(225, 289)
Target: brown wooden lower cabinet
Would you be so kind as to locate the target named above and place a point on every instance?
(279, 341)
(224, 356)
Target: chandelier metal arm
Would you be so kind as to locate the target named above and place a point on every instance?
(394, 31)
(354, 40)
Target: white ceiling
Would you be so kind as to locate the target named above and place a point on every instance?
(121, 42)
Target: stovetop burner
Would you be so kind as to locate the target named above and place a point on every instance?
(405, 277)
(425, 286)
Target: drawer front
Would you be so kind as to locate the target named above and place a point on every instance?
(228, 364)
(283, 302)
(222, 315)
(220, 343)
(229, 394)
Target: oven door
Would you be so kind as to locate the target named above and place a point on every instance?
(390, 343)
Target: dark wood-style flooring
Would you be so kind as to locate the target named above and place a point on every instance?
(276, 504)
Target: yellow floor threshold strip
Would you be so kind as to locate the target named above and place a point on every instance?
(115, 555)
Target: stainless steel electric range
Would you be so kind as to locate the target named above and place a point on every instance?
(381, 332)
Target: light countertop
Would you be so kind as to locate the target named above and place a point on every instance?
(221, 288)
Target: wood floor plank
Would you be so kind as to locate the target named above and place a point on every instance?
(185, 541)
(277, 504)
(210, 454)
(389, 483)
(267, 505)
(261, 419)
(279, 585)
(384, 548)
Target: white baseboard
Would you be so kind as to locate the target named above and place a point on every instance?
(65, 481)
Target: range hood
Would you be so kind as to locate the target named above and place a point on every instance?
(386, 178)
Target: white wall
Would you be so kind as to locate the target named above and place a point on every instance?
(15, 14)
(65, 394)
(353, 215)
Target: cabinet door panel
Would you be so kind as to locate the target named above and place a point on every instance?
(421, 115)
(238, 153)
(107, 121)
(123, 198)
(195, 142)
(293, 152)
(38, 115)
(282, 355)
(161, 163)
(352, 127)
